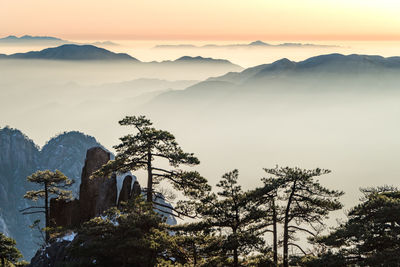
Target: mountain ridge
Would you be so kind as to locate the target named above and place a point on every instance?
(76, 52)
(73, 52)
(303, 76)
(254, 44)
(45, 40)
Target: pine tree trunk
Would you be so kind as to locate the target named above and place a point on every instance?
(194, 255)
(286, 228)
(275, 233)
(285, 244)
(46, 209)
(235, 250)
(3, 262)
(235, 258)
(149, 178)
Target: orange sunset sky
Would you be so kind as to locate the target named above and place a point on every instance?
(203, 19)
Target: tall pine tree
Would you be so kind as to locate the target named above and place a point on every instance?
(53, 184)
(8, 251)
(371, 236)
(148, 148)
(305, 203)
(233, 213)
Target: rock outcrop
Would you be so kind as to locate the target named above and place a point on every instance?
(19, 158)
(97, 194)
(125, 193)
(64, 212)
(136, 190)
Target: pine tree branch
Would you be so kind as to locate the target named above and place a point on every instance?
(33, 212)
(297, 246)
(162, 170)
(301, 229)
(33, 207)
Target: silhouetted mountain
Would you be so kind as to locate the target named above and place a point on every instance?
(29, 38)
(255, 44)
(259, 43)
(334, 71)
(202, 60)
(73, 52)
(105, 43)
(324, 64)
(90, 52)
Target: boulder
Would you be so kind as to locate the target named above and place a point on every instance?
(97, 194)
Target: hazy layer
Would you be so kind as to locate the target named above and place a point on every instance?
(245, 57)
(349, 127)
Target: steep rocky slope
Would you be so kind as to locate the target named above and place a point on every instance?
(20, 157)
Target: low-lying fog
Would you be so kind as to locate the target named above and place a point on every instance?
(352, 130)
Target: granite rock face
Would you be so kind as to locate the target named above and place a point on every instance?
(125, 193)
(64, 212)
(136, 190)
(19, 158)
(66, 152)
(97, 194)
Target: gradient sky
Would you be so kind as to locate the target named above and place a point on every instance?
(203, 19)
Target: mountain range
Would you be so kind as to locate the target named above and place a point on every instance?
(72, 52)
(28, 40)
(335, 71)
(255, 44)
(91, 52)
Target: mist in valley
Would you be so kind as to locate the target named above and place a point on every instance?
(335, 118)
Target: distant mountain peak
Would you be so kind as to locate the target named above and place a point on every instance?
(260, 43)
(29, 38)
(193, 58)
(202, 59)
(11, 37)
(73, 52)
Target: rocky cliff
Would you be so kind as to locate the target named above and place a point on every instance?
(67, 152)
(19, 158)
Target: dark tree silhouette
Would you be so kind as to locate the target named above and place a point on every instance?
(306, 204)
(235, 213)
(371, 236)
(140, 150)
(53, 184)
(8, 251)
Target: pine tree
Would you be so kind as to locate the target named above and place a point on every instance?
(52, 184)
(306, 203)
(233, 213)
(267, 198)
(371, 236)
(8, 251)
(141, 150)
(200, 245)
(135, 235)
